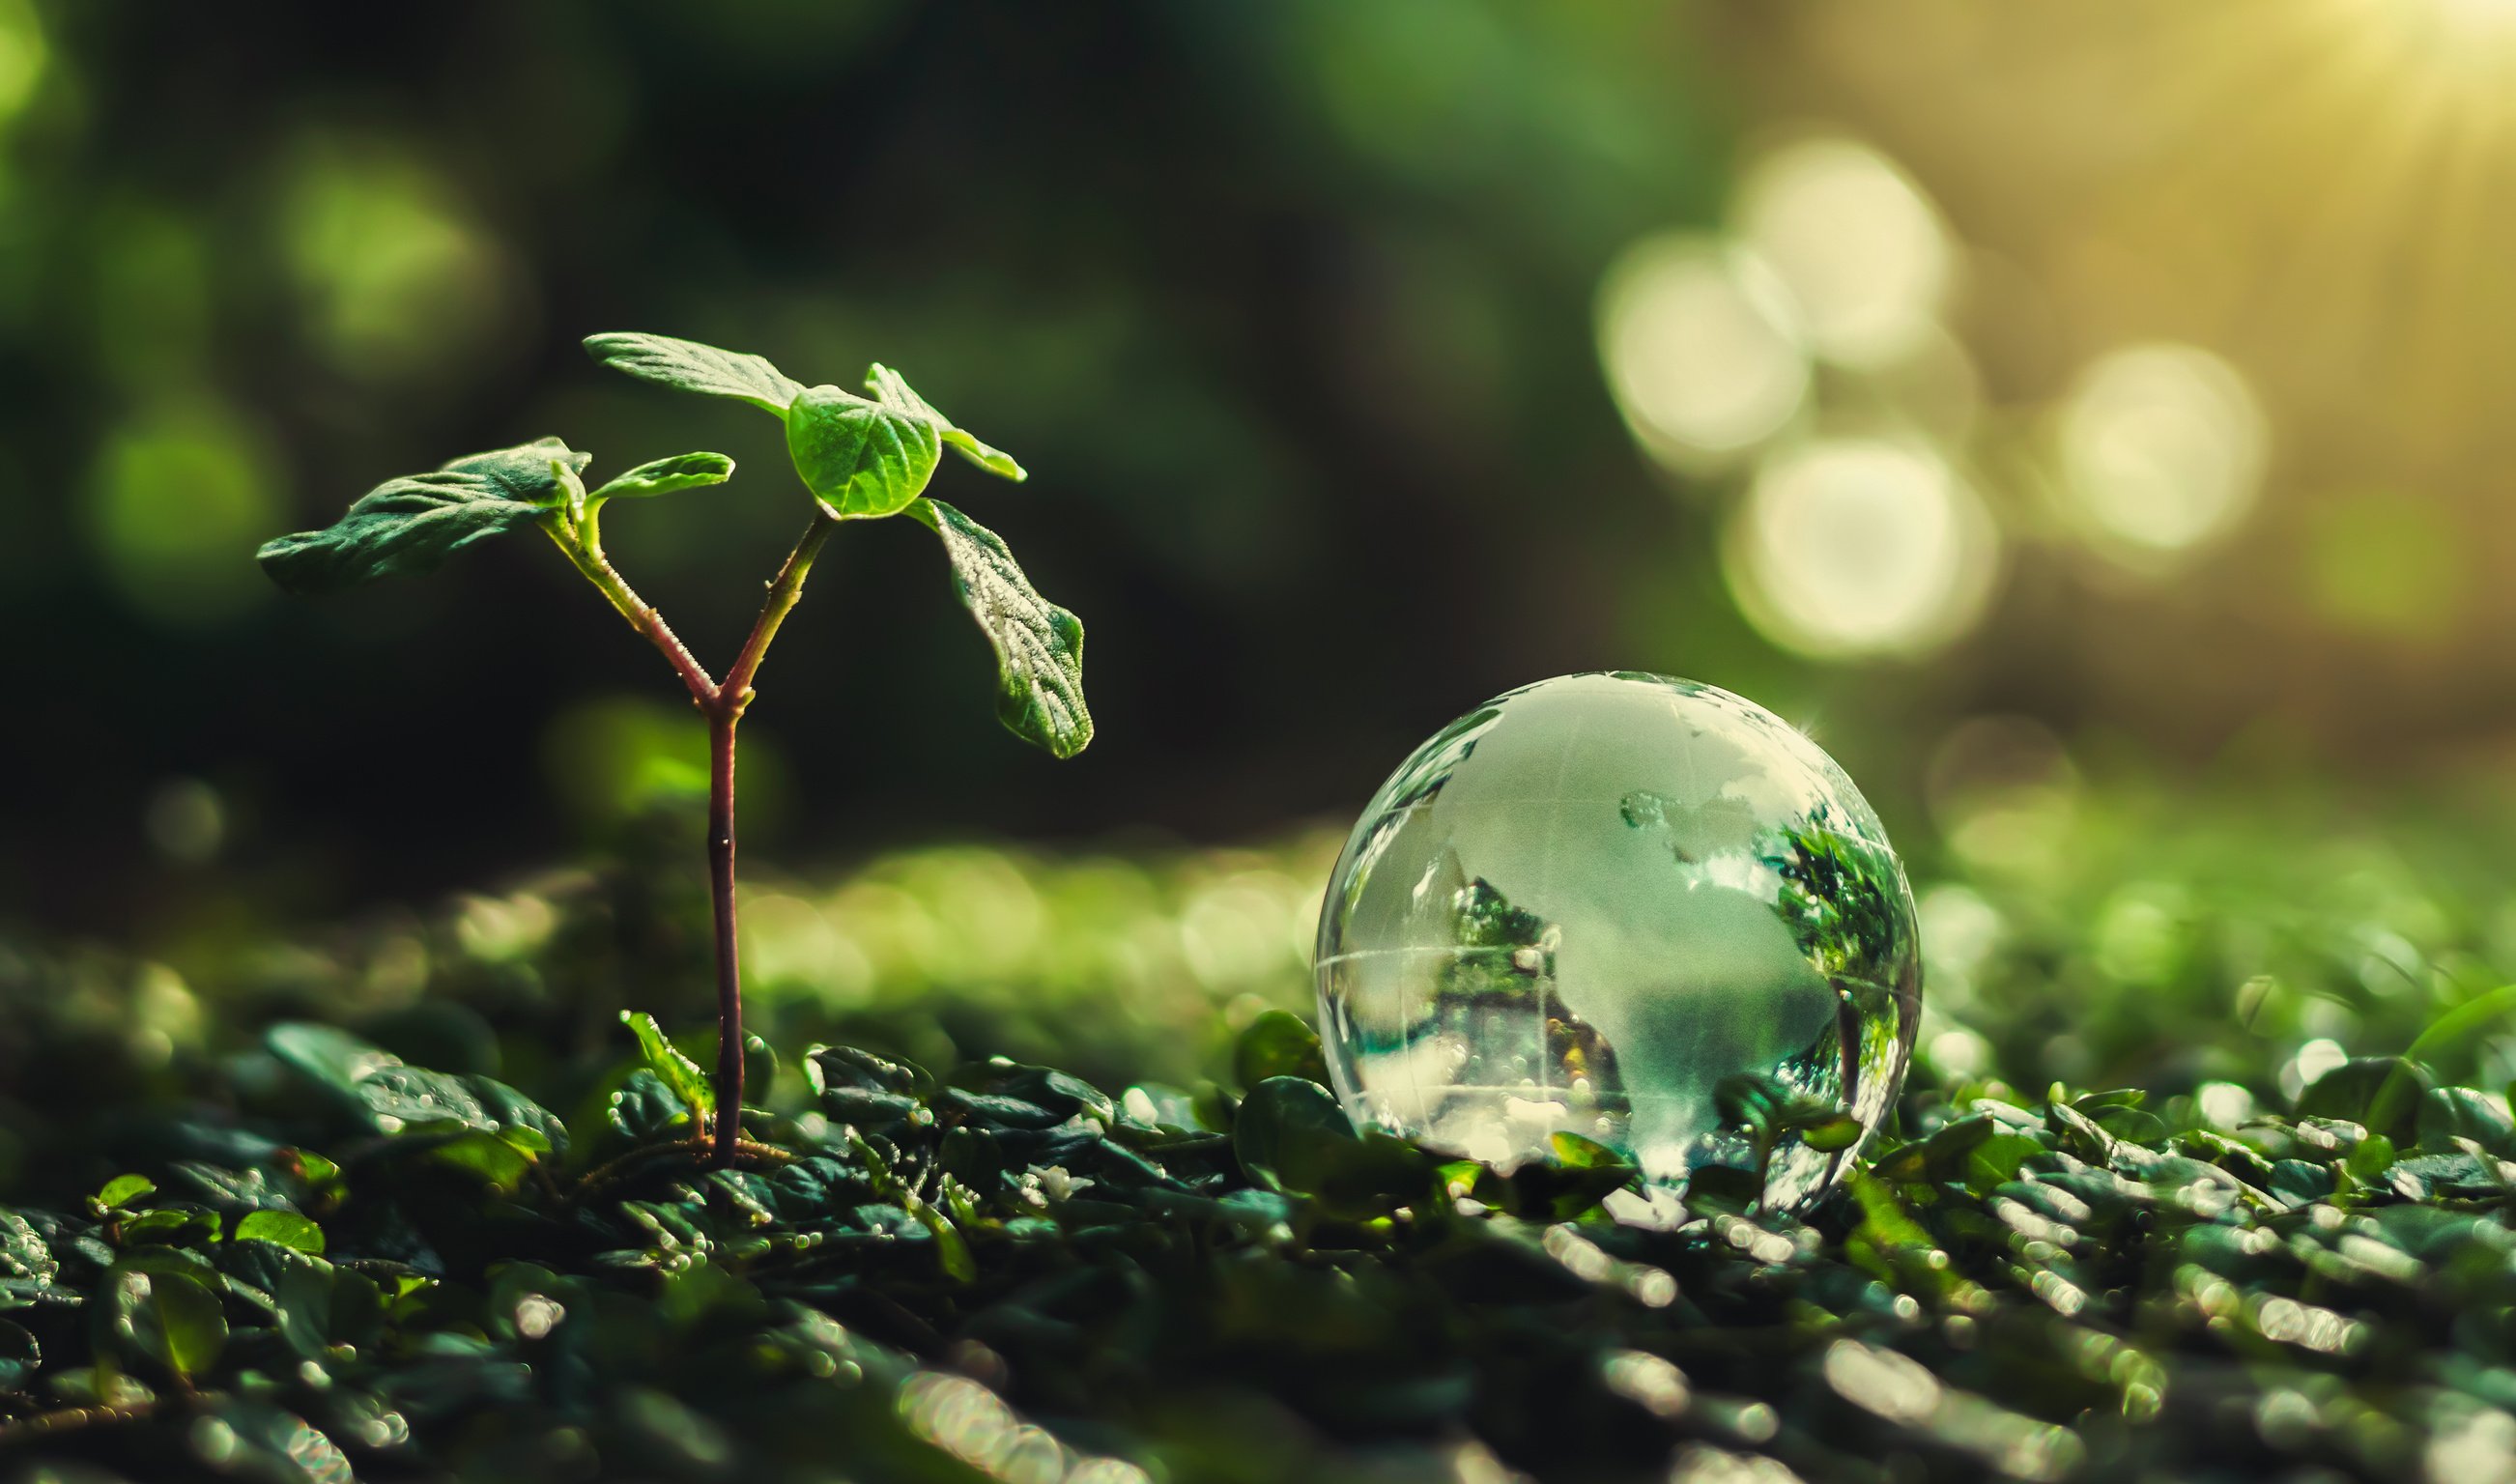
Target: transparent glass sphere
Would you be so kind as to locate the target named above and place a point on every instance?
(1584, 903)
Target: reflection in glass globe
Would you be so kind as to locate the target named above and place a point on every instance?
(1584, 903)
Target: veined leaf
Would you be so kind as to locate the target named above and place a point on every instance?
(894, 394)
(682, 471)
(413, 524)
(667, 1061)
(285, 1227)
(865, 457)
(862, 459)
(1038, 645)
(691, 366)
(162, 1313)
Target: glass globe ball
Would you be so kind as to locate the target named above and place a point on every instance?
(1583, 905)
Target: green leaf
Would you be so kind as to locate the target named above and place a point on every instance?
(869, 457)
(668, 1061)
(860, 459)
(1723, 1190)
(2382, 1092)
(864, 1089)
(284, 1227)
(896, 394)
(164, 1315)
(413, 524)
(682, 471)
(326, 1055)
(644, 1109)
(480, 1124)
(1039, 646)
(1290, 1136)
(1840, 1132)
(21, 1357)
(121, 1191)
(1746, 1101)
(1278, 1043)
(256, 1440)
(689, 366)
(2447, 1114)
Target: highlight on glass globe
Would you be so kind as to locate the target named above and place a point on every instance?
(1619, 907)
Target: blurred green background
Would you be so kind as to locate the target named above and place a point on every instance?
(2088, 421)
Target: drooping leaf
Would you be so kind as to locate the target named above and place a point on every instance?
(669, 1062)
(1038, 645)
(896, 394)
(414, 522)
(682, 470)
(689, 366)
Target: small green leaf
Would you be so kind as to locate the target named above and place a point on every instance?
(284, 1227)
(668, 1061)
(860, 459)
(1278, 1043)
(21, 1357)
(1038, 645)
(867, 458)
(326, 1055)
(413, 524)
(256, 1440)
(644, 1109)
(2447, 1114)
(1840, 1132)
(682, 471)
(122, 1190)
(896, 394)
(1746, 1101)
(689, 366)
(1723, 1190)
(1286, 1132)
(163, 1314)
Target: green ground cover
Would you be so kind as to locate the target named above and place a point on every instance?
(408, 1200)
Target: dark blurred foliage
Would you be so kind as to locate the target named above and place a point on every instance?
(1287, 308)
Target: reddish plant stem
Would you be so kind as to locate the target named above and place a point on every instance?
(729, 971)
(722, 705)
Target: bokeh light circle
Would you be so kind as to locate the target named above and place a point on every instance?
(1862, 251)
(1861, 547)
(2162, 447)
(1700, 348)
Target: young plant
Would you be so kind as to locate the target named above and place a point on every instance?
(861, 458)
